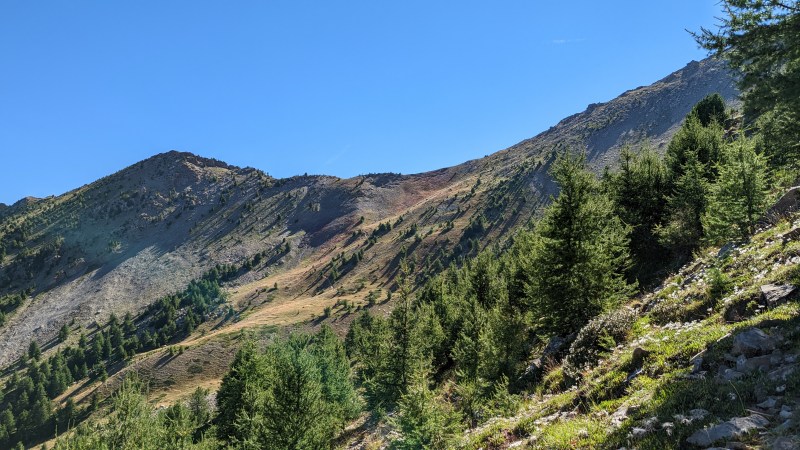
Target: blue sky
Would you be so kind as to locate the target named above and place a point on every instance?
(340, 88)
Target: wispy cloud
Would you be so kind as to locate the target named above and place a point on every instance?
(567, 41)
(338, 155)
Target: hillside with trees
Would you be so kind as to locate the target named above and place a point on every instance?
(578, 290)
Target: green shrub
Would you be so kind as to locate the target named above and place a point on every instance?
(598, 337)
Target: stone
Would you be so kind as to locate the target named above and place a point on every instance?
(770, 402)
(736, 446)
(785, 443)
(697, 364)
(730, 374)
(782, 374)
(791, 235)
(756, 363)
(639, 354)
(776, 294)
(619, 416)
(731, 429)
(726, 250)
(752, 342)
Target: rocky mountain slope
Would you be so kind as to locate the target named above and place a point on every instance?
(301, 244)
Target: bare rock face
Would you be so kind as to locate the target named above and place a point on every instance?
(734, 428)
(752, 342)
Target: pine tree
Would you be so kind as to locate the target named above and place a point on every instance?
(639, 193)
(686, 206)
(247, 369)
(63, 333)
(759, 39)
(295, 415)
(738, 198)
(694, 141)
(335, 375)
(710, 109)
(34, 352)
(425, 419)
(368, 344)
(582, 252)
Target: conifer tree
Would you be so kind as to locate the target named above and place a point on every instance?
(247, 369)
(694, 141)
(738, 198)
(582, 252)
(639, 193)
(34, 352)
(759, 39)
(686, 206)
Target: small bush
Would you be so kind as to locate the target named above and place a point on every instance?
(598, 337)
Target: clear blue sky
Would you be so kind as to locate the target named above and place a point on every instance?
(340, 88)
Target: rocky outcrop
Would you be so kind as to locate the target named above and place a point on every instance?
(731, 429)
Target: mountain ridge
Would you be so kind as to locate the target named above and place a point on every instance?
(171, 217)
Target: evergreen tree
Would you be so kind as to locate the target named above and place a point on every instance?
(199, 408)
(295, 415)
(639, 193)
(694, 141)
(686, 206)
(247, 369)
(63, 333)
(710, 109)
(759, 39)
(426, 420)
(738, 198)
(34, 352)
(335, 375)
(582, 252)
(368, 344)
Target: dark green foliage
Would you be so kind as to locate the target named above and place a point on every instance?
(368, 345)
(694, 142)
(639, 191)
(760, 40)
(710, 109)
(738, 198)
(426, 420)
(683, 228)
(34, 352)
(581, 252)
(295, 395)
(63, 333)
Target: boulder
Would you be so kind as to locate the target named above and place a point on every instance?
(756, 363)
(775, 294)
(786, 205)
(731, 429)
(785, 443)
(791, 235)
(752, 342)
